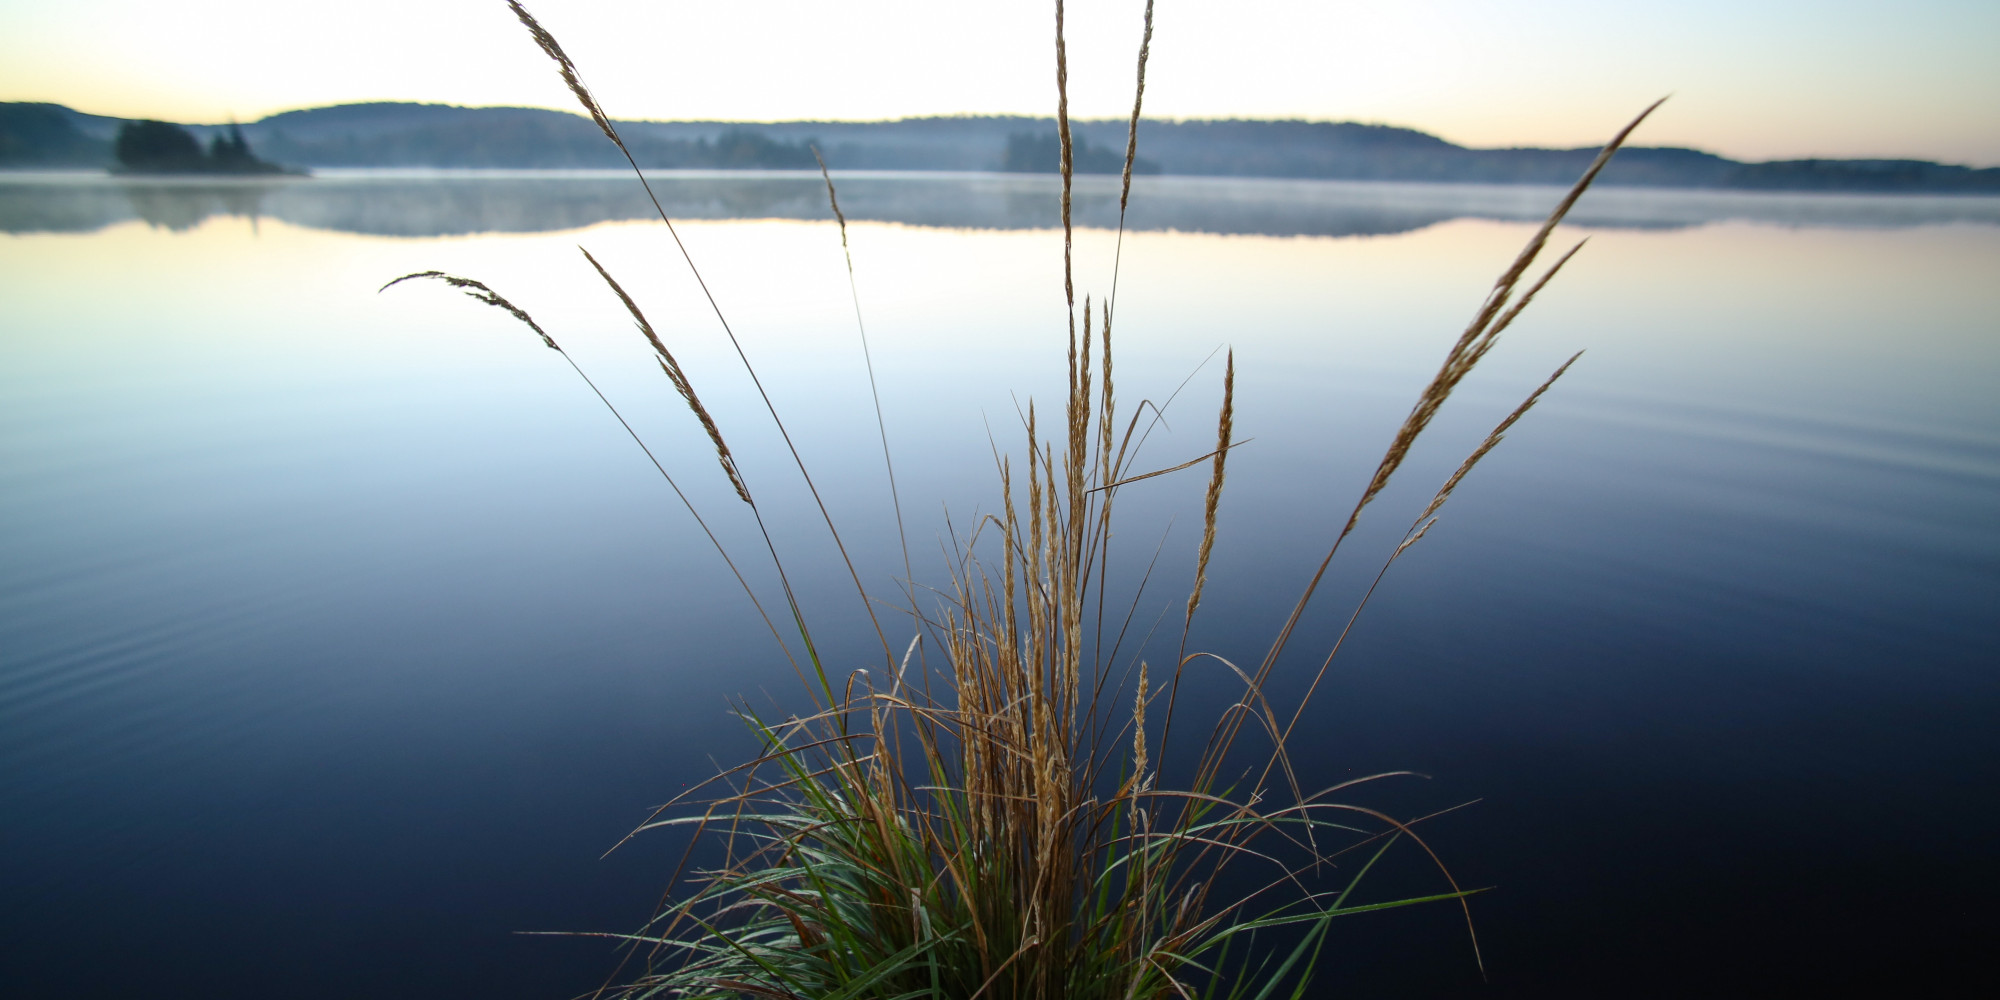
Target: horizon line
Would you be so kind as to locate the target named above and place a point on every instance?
(1120, 120)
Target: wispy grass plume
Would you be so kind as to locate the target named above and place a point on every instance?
(1003, 823)
(680, 381)
(1495, 315)
(574, 81)
(480, 291)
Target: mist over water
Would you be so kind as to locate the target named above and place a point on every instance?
(446, 203)
(340, 633)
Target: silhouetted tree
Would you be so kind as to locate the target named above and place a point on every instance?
(151, 145)
(231, 151)
(159, 147)
(746, 149)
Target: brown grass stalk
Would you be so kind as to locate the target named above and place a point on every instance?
(1472, 345)
(480, 292)
(868, 358)
(679, 378)
(573, 79)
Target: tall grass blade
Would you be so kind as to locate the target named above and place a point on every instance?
(574, 80)
(479, 291)
(868, 358)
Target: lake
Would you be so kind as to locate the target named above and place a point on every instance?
(341, 633)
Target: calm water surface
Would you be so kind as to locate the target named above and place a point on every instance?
(340, 633)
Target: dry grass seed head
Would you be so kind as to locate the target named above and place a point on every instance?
(568, 69)
(1492, 440)
(679, 379)
(833, 200)
(1479, 335)
(1138, 99)
(478, 290)
(1224, 429)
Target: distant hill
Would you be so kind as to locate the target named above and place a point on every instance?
(46, 135)
(446, 136)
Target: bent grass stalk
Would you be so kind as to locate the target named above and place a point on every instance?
(573, 79)
(479, 291)
(1017, 835)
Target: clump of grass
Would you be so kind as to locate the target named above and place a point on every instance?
(989, 817)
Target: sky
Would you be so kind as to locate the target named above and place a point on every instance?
(1756, 79)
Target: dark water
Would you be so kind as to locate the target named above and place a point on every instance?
(340, 633)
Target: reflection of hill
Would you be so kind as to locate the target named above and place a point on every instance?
(445, 204)
(78, 204)
(185, 207)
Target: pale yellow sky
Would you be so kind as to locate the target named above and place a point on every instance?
(1753, 78)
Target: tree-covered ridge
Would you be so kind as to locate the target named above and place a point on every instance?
(46, 135)
(1032, 153)
(40, 136)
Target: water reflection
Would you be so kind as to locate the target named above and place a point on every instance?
(458, 203)
(340, 633)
